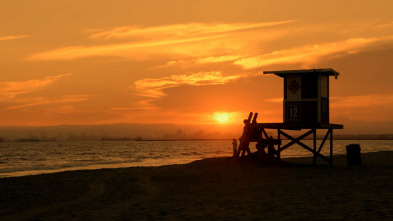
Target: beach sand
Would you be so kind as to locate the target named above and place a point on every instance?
(209, 189)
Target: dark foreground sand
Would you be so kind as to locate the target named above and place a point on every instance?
(210, 189)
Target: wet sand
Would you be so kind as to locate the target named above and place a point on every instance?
(210, 189)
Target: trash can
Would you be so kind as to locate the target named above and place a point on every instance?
(353, 154)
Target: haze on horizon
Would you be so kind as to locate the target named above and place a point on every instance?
(190, 62)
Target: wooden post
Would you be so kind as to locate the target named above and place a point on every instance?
(331, 146)
(314, 160)
(249, 117)
(279, 145)
(254, 120)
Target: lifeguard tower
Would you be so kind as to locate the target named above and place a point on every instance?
(306, 106)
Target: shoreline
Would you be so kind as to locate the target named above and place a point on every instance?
(22, 173)
(212, 188)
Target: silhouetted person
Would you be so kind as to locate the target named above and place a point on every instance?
(244, 140)
(270, 148)
(261, 154)
(234, 143)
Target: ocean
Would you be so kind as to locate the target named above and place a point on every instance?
(29, 158)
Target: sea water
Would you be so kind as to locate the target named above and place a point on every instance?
(28, 158)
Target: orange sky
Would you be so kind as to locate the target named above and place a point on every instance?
(179, 61)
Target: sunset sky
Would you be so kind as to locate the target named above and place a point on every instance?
(189, 62)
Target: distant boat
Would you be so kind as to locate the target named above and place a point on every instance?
(34, 139)
(116, 139)
(31, 139)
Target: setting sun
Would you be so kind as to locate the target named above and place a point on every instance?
(221, 117)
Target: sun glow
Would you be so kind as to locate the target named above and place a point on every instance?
(221, 117)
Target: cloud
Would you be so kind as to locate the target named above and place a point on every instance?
(154, 87)
(133, 108)
(12, 37)
(384, 26)
(138, 51)
(308, 54)
(28, 102)
(218, 59)
(249, 45)
(362, 101)
(174, 31)
(275, 100)
(8, 90)
(374, 107)
(191, 40)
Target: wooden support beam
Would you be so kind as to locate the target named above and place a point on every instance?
(311, 150)
(314, 160)
(297, 141)
(323, 141)
(293, 140)
(264, 132)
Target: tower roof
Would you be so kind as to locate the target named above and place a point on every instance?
(325, 71)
